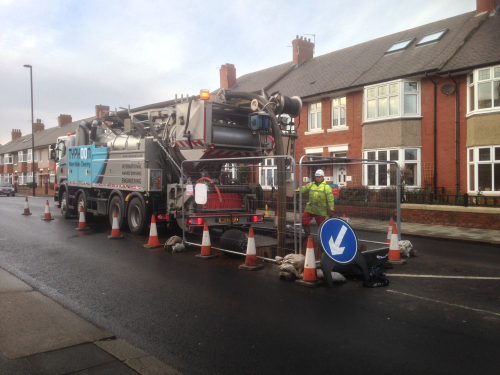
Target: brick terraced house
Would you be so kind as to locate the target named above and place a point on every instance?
(427, 97)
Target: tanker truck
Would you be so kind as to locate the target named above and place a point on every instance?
(129, 161)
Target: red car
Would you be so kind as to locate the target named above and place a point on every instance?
(7, 189)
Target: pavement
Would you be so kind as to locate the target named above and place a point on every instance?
(472, 235)
(40, 337)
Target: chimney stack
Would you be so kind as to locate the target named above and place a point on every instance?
(64, 119)
(227, 76)
(101, 110)
(486, 5)
(38, 126)
(303, 50)
(16, 133)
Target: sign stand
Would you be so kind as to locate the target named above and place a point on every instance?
(340, 254)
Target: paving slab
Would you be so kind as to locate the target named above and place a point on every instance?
(11, 284)
(151, 366)
(31, 323)
(114, 368)
(72, 359)
(121, 349)
(19, 366)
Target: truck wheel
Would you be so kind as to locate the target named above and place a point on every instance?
(136, 217)
(116, 205)
(233, 240)
(82, 202)
(64, 206)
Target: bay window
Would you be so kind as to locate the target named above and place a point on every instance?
(22, 156)
(483, 169)
(384, 174)
(392, 99)
(315, 116)
(22, 179)
(483, 94)
(268, 174)
(338, 112)
(8, 159)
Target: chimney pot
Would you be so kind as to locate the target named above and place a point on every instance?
(303, 50)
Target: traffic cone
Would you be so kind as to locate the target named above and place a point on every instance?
(26, 207)
(206, 247)
(115, 229)
(394, 252)
(266, 214)
(251, 258)
(389, 232)
(153, 236)
(82, 224)
(47, 216)
(310, 279)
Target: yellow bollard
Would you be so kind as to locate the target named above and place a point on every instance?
(266, 214)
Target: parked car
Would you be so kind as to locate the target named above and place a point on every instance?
(7, 189)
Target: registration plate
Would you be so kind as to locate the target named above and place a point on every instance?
(228, 219)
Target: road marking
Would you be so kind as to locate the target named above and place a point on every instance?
(445, 303)
(335, 247)
(445, 277)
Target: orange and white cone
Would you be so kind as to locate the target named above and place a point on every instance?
(47, 212)
(389, 232)
(310, 278)
(251, 263)
(82, 224)
(26, 207)
(153, 235)
(206, 247)
(394, 252)
(115, 229)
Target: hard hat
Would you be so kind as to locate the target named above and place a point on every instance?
(320, 173)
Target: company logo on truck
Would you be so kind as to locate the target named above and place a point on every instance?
(80, 157)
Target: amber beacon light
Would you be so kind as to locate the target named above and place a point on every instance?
(204, 94)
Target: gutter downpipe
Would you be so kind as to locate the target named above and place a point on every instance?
(456, 133)
(434, 183)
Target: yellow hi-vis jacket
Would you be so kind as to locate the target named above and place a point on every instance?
(320, 197)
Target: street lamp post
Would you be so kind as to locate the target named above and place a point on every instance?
(32, 130)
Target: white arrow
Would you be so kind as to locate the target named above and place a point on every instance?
(335, 247)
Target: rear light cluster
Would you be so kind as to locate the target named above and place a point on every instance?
(195, 221)
(256, 219)
(161, 217)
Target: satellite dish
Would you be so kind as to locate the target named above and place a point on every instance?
(447, 89)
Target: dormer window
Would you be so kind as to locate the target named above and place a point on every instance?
(434, 37)
(399, 46)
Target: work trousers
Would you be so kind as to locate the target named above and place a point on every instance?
(307, 217)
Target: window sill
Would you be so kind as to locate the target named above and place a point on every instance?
(318, 131)
(338, 128)
(481, 112)
(396, 118)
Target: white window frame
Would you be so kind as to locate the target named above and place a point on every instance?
(29, 155)
(268, 166)
(314, 112)
(1, 159)
(473, 162)
(401, 94)
(8, 159)
(22, 156)
(401, 161)
(22, 178)
(473, 83)
(338, 104)
(232, 169)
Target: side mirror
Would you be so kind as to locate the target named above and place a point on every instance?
(52, 155)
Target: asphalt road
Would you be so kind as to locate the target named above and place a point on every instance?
(208, 317)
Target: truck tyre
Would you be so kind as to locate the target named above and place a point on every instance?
(116, 204)
(82, 202)
(233, 240)
(64, 205)
(136, 217)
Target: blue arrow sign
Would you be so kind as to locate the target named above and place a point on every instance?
(338, 240)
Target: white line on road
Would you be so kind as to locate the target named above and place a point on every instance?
(445, 303)
(445, 277)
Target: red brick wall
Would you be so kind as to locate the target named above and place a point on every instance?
(452, 218)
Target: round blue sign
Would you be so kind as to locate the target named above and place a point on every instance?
(338, 240)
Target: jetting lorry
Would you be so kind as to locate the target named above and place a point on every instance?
(129, 161)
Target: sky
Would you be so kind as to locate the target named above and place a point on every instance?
(121, 53)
